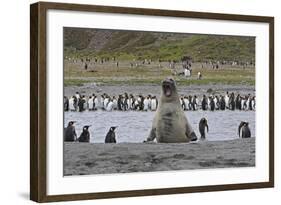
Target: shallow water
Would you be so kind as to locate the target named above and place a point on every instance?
(134, 126)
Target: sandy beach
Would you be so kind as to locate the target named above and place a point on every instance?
(98, 158)
(89, 89)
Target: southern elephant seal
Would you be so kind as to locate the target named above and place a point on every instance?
(170, 124)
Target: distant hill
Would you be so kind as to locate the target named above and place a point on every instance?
(127, 45)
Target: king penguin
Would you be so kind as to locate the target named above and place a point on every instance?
(85, 135)
(70, 133)
(110, 136)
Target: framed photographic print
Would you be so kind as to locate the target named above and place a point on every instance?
(135, 102)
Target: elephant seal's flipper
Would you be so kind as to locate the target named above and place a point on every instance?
(190, 134)
(152, 135)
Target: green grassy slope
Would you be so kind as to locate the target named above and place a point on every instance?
(128, 45)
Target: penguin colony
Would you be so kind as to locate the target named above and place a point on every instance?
(126, 102)
(169, 124)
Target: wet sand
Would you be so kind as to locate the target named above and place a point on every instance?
(86, 159)
(89, 89)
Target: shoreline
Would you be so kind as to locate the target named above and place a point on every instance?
(99, 158)
(90, 88)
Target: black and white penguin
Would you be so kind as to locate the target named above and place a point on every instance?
(204, 103)
(238, 102)
(149, 101)
(120, 102)
(85, 135)
(72, 103)
(194, 103)
(253, 103)
(186, 103)
(212, 104)
(126, 102)
(101, 102)
(106, 101)
(115, 103)
(96, 102)
(222, 103)
(131, 102)
(231, 102)
(202, 124)
(70, 133)
(146, 104)
(190, 104)
(77, 95)
(91, 104)
(244, 130)
(109, 106)
(216, 101)
(65, 103)
(140, 102)
(81, 104)
(227, 100)
(154, 103)
(182, 102)
(110, 136)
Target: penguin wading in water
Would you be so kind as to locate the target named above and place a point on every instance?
(202, 124)
(110, 136)
(85, 135)
(154, 103)
(244, 130)
(70, 133)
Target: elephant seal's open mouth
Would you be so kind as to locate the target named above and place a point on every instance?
(167, 86)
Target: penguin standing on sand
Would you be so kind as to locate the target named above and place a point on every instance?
(85, 135)
(70, 133)
(202, 124)
(244, 130)
(110, 136)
